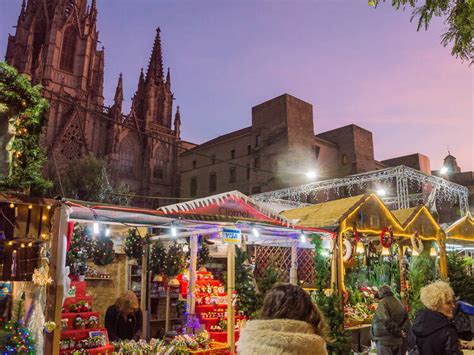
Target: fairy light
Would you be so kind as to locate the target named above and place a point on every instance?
(48, 207)
(385, 251)
(10, 243)
(30, 207)
(360, 249)
(22, 245)
(30, 244)
(12, 205)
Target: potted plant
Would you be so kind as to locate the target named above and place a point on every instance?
(79, 323)
(93, 322)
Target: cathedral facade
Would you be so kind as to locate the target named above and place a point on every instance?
(56, 45)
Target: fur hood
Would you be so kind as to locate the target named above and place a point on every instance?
(280, 336)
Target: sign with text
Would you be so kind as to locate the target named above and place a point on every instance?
(231, 236)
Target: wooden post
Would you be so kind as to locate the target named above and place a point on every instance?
(167, 310)
(230, 291)
(57, 270)
(294, 262)
(144, 299)
(191, 297)
(443, 262)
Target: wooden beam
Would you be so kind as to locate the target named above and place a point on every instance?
(191, 297)
(294, 262)
(230, 291)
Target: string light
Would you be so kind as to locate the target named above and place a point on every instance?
(385, 251)
(360, 249)
(10, 243)
(30, 244)
(22, 245)
(48, 207)
(30, 207)
(12, 205)
(302, 238)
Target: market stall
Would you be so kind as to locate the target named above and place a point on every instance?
(460, 234)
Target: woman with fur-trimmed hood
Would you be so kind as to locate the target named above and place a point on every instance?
(290, 323)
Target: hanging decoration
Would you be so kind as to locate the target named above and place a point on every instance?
(347, 250)
(103, 251)
(25, 108)
(41, 276)
(416, 243)
(386, 240)
(134, 245)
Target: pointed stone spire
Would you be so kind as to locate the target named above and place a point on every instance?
(155, 66)
(168, 79)
(177, 123)
(23, 8)
(119, 94)
(141, 81)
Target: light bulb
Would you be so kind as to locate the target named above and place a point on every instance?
(302, 238)
(48, 207)
(30, 207)
(107, 232)
(22, 245)
(255, 232)
(360, 247)
(433, 252)
(96, 228)
(385, 251)
(12, 205)
(174, 232)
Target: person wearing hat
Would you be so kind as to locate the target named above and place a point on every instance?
(390, 323)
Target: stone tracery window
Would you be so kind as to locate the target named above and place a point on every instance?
(68, 49)
(127, 157)
(72, 142)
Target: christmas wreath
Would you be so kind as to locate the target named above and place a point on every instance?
(103, 251)
(417, 243)
(347, 250)
(386, 240)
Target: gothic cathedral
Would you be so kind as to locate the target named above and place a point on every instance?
(55, 44)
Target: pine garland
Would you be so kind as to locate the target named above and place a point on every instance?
(23, 105)
(134, 245)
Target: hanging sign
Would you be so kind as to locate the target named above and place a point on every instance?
(231, 236)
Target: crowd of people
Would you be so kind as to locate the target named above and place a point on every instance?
(290, 323)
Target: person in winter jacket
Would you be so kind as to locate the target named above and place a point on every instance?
(124, 319)
(390, 323)
(433, 332)
(290, 323)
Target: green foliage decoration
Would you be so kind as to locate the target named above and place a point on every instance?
(103, 250)
(22, 103)
(15, 337)
(321, 263)
(461, 282)
(421, 273)
(203, 252)
(175, 261)
(244, 283)
(458, 18)
(265, 283)
(88, 179)
(157, 259)
(134, 245)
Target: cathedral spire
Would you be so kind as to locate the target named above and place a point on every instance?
(155, 66)
(119, 93)
(168, 79)
(177, 123)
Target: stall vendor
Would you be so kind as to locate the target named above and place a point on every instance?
(123, 319)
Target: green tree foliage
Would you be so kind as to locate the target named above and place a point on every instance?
(321, 263)
(265, 283)
(329, 305)
(459, 20)
(25, 109)
(134, 245)
(421, 273)
(88, 179)
(461, 282)
(157, 259)
(244, 283)
(174, 262)
(15, 338)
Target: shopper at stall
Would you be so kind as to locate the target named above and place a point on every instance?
(123, 319)
(390, 323)
(433, 332)
(289, 323)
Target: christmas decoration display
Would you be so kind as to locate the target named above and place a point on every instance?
(244, 284)
(416, 243)
(157, 259)
(41, 276)
(49, 327)
(80, 250)
(386, 237)
(134, 245)
(103, 251)
(203, 253)
(25, 108)
(80, 330)
(16, 338)
(347, 250)
(174, 262)
(421, 273)
(361, 306)
(321, 263)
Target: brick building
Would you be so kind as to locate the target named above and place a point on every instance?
(276, 151)
(55, 44)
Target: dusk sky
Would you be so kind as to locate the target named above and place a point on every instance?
(353, 63)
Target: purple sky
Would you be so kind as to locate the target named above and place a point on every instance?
(353, 63)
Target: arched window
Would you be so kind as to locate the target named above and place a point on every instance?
(158, 171)
(127, 157)
(68, 49)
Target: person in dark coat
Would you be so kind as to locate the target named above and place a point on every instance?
(433, 332)
(124, 319)
(390, 323)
